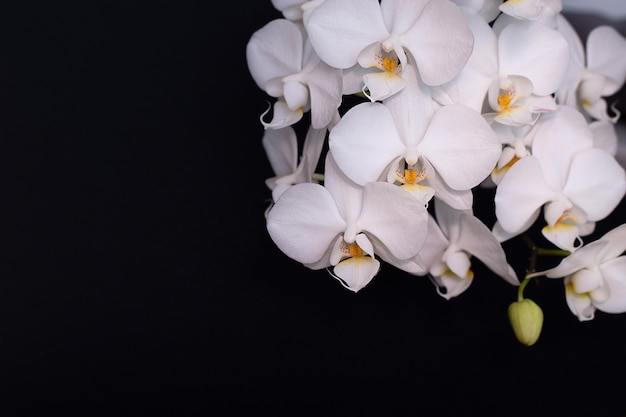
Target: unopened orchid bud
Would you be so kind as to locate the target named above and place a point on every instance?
(526, 319)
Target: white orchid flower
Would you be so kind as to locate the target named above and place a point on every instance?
(532, 60)
(454, 236)
(514, 102)
(595, 276)
(450, 148)
(574, 182)
(346, 226)
(379, 34)
(605, 72)
(283, 63)
(596, 71)
(281, 148)
(515, 70)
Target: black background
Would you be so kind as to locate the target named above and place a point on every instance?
(137, 278)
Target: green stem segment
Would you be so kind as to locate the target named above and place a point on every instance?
(532, 263)
(520, 289)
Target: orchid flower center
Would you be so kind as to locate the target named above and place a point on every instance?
(412, 174)
(389, 63)
(505, 100)
(351, 250)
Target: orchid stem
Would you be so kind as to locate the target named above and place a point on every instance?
(520, 289)
(535, 252)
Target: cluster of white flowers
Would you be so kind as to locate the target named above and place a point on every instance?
(450, 95)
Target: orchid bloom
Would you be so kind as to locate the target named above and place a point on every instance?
(378, 35)
(450, 149)
(605, 72)
(515, 70)
(597, 70)
(281, 148)
(514, 102)
(532, 60)
(575, 183)
(454, 236)
(595, 276)
(346, 226)
(283, 64)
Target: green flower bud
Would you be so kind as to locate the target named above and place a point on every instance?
(526, 319)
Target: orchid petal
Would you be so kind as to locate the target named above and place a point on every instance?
(296, 95)
(312, 149)
(535, 51)
(502, 235)
(484, 58)
(600, 294)
(421, 192)
(606, 55)
(449, 220)
(521, 9)
(365, 141)
(347, 194)
(412, 110)
(553, 211)
(520, 194)
(435, 245)
(401, 15)
(340, 29)
(563, 235)
(566, 93)
(414, 266)
(353, 79)
(325, 88)
(586, 280)
(453, 285)
(614, 274)
(616, 242)
(267, 61)
(579, 304)
(596, 184)
(382, 84)
(337, 251)
(395, 217)
(461, 146)
(304, 222)
(355, 273)
(291, 9)
(560, 136)
(281, 148)
(459, 263)
(476, 238)
(587, 255)
(282, 116)
(441, 42)
(470, 86)
(457, 199)
(605, 136)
